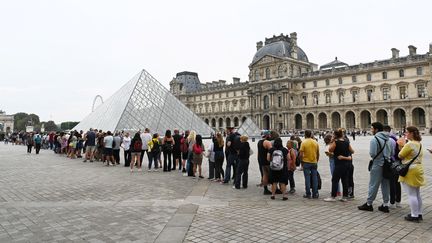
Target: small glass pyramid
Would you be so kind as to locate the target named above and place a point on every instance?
(249, 128)
(143, 103)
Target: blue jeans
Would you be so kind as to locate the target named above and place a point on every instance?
(153, 157)
(332, 167)
(376, 179)
(310, 169)
(231, 161)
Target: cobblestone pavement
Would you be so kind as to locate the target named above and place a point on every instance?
(49, 198)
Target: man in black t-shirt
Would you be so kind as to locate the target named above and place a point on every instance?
(90, 138)
(263, 163)
(176, 150)
(232, 147)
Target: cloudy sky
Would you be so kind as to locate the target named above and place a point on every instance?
(57, 55)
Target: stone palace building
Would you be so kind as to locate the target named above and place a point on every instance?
(286, 91)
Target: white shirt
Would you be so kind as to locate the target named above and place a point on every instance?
(145, 137)
(108, 141)
(126, 143)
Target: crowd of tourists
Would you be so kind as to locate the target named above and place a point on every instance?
(395, 161)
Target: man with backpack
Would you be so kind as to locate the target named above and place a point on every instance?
(37, 141)
(232, 149)
(380, 150)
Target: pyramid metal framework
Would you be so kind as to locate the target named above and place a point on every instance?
(249, 128)
(141, 103)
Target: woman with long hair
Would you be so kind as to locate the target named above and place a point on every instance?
(197, 150)
(136, 148)
(411, 153)
(218, 144)
(167, 149)
(191, 142)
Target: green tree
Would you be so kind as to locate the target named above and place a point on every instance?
(50, 126)
(68, 125)
(22, 119)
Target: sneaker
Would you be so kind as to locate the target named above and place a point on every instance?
(384, 209)
(149, 170)
(84, 160)
(330, 199)
(412, 219)
(267, 191)
(184, 170)
(315, 196)
(272, 197)
(398, 205)
(392, 205)
(155, 170)
(307, 196)
(202, 177)
(292, 191)
(420, 217)
(284, 198)
(343, 199)
(365, 207)
(278, 191)
(184, 174)
(234, 187)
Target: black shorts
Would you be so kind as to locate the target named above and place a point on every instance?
(108, 151)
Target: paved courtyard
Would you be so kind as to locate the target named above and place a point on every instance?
(49, 198)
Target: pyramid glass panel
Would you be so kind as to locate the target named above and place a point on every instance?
(144, 103)
(249, 128)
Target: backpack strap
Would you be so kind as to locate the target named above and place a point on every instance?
(381, 148)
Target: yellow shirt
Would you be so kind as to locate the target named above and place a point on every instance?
(415, 175)
(310, 149)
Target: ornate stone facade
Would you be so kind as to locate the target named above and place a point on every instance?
(285, 91)
(6, 122)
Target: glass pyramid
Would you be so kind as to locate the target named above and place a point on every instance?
(249, 128)
(144, 102)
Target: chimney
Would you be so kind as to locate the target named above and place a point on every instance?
(293, 40)
(259, 45)
(412, 50)
(395, 53)
(236, 80)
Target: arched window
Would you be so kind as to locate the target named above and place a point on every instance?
(267, 74)
(280, 71)
(257, 76)
(266, 102)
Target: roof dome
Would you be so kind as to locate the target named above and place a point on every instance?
(334, 64)
(280, 48)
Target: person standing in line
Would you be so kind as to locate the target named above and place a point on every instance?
(380, 149)
(116, 147)
(342, 155)
(184, 147)
(146, 137)
(218, 144)
(154, 149)
(135, 149)
(197, 151)
(263, 147)
(309, 154)
(90, 139)
(243, 163)
(176, 150)
(411, 152)
(167, 148)
(126, 145)
(232, 146)
(395, 186)
(291, 165)
(211, 161)
(29, 143)
(190, 141)
(108, 148)
(277, 156)
(328, 139)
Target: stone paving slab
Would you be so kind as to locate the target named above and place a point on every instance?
(49, 198)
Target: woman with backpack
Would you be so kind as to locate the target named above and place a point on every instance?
(135, 149)
(197, 150)
(277, 156)
(167, 148)
(218, 144)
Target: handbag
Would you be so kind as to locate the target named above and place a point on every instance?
(402, 169)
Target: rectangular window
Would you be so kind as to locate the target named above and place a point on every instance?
(401, 73)
(354, 96)
(340, 80)
(369, 77)
(402, 92)
(369, 94)
(315, 84)
(219, 95)
(421, 90)
(419, 70)
(384, 75)
(303, 85)
(328, 99)
(304, 100)
(386, 93)
(280, 101)
(291, 101)
(327, 82)
(354, 79)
